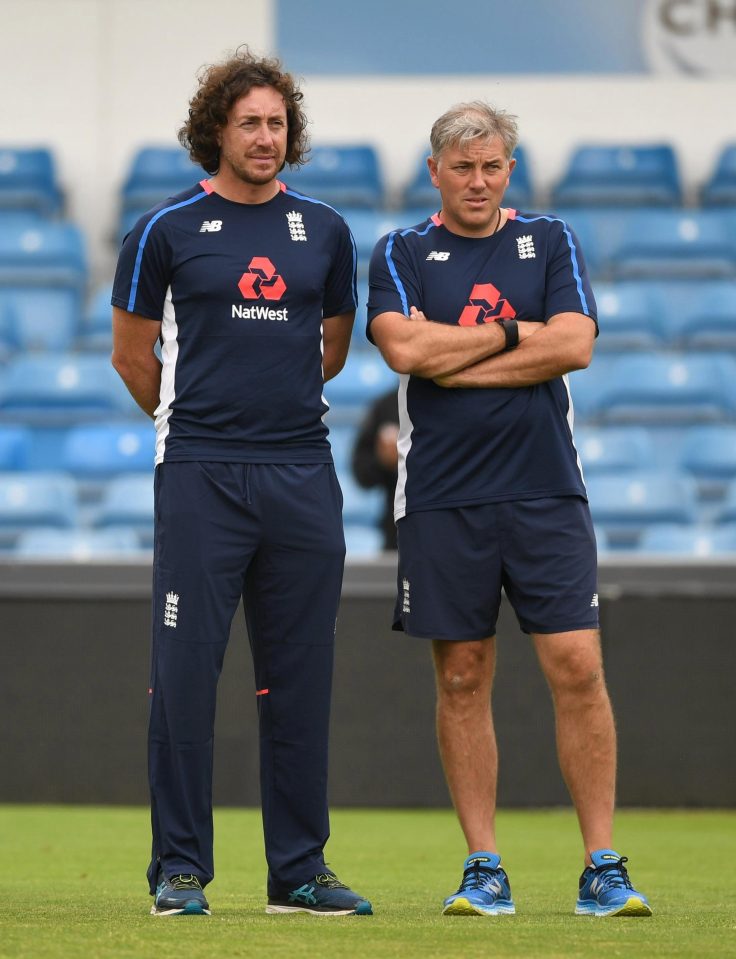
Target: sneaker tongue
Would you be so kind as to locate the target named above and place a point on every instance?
(486, 860)
(604, 857)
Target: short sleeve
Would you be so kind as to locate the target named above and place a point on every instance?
(393, 286)
(143, 273)
(567, 285)
(340, 289)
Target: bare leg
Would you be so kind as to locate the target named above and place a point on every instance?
(467, 740)
(586, 735)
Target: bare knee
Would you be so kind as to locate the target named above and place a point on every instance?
(463, 672)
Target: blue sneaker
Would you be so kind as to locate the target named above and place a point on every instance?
(484, 891)
(179, 896)
(606, 890)
(324, 895)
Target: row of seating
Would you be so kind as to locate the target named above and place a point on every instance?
(625, 506)
(637, 387)
(350, 175)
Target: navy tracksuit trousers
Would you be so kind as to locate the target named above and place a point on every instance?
(273, 534)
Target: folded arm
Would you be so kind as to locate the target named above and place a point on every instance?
(412, 344)
(563, 344)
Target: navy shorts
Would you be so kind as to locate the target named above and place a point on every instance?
(453, 564)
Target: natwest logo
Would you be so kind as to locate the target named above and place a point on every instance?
(486, 305)
(261, 281)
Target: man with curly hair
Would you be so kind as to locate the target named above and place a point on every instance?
(250, 289)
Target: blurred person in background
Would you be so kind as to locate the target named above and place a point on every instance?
(250, 289)
(375, 459)
(482, 310)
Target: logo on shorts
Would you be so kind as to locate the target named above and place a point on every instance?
(486, 305)
(171, 610)
(405, 597)
(594, 600)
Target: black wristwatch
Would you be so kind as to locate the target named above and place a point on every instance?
(511, 331)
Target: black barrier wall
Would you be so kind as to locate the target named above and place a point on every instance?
(74, 678)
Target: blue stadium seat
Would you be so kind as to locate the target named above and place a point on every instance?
(15, 445)
(421, 195)
(675, 244)
(708, 317)
(689, 541)
(103, 451)
(342, 439)
(362, 541)
(360, 506)
(624, 503)
(709, 454)
(158, 172)
(599, 233)
(364, 377)
(620, 175)
(95, 332)
(720, 188)
(39, 317)
(588, 386)
(666, 389)
(614, 448)
(629, 317)
(45, 254)
(77, 545)
(128, 502)
(53, 389)
(367, 227)
(28, 180)
(341, 175)
(35, 499)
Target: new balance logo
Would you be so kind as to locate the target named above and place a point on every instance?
(439, 255)
(594, 602)
(296, 226)
(171, 610)
(211, 226)
(526, 247)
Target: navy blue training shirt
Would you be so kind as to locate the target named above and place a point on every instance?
(459, 447)
(241, 291)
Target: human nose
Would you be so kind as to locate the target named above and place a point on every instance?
(476, 179)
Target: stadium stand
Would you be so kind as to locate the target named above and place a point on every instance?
(345, 176)
(97, 451)
(28, 181)
(157, 172)
(629, 317)
(624, 504)
(95, 331)
(63, 388)
(15, 445)
(364, 377)
(35, 499)
(620, 175)
(78, 545)
(127, 502)
(361, 507)
(620, 448)
(676, 244)
(698, 541)
(720, 188)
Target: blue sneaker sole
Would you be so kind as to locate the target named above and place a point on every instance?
(634, 906)
(464, 907)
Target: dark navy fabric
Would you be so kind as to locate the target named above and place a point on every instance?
(241, 290)
(460, 447)
(273, 534)
(453, 563)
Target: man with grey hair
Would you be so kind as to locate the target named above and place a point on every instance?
(483, 311)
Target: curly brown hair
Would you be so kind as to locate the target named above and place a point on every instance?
(220, 85)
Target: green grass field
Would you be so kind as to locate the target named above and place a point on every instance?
(73, 887)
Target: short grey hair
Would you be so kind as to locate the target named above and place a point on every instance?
(476, 120)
